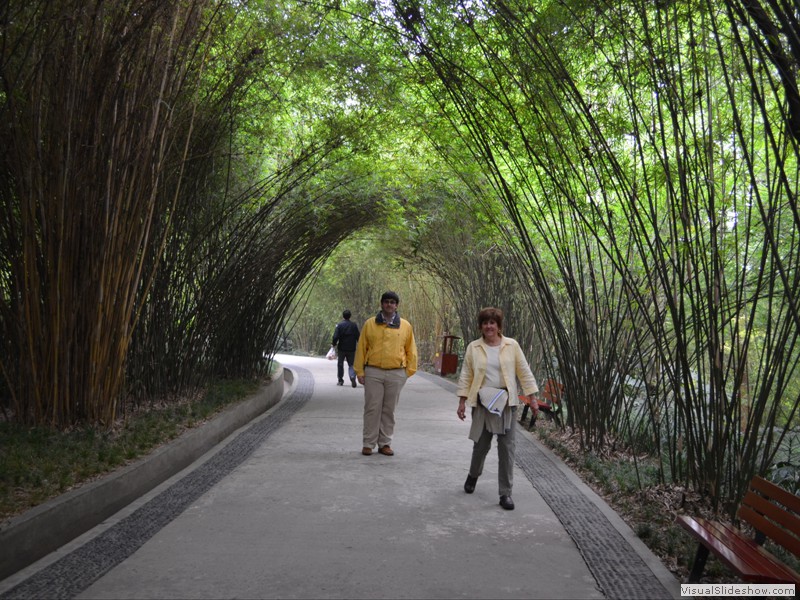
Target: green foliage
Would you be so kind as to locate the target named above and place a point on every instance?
(38, 463)
(651, 203)
(354, 277)
(619, 177)
(786, 474)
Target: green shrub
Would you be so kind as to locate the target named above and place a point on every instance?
(37, 463)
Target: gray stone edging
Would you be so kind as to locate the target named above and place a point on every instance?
(37, 532)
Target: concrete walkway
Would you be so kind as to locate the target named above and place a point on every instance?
(287, 507)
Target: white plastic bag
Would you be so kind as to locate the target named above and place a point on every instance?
(331, 353)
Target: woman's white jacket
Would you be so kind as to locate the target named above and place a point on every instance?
(513, 366)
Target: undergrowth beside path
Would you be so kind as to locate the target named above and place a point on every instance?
(37, 464)
(629, 484)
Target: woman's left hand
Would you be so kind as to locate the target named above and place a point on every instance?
(462, 408)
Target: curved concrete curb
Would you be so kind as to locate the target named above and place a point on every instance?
(36, 533)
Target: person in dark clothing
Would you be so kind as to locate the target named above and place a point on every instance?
(345, 340)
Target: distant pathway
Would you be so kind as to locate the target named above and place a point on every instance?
(619, 570)
(75, 572)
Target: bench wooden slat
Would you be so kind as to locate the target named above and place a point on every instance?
(773, 521)
(774, 512)
(551, 407)
(775, 492)
(742, 555)
(542, 405)
(553, 390)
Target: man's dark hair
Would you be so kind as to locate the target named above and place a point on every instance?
(346, 314)
(390, 296)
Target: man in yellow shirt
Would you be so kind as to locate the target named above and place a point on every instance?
(386, 356)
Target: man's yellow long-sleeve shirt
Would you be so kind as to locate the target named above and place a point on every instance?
(386, 347)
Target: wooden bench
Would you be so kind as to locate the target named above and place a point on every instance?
(773, 513)
(552, 393)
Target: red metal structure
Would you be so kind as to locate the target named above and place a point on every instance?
(446, 361)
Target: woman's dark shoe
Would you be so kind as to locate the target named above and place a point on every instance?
(469, 484)
(506, 502)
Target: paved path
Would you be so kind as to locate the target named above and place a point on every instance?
(288, 507)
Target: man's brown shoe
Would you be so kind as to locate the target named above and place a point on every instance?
(366, 451)
(386, 451)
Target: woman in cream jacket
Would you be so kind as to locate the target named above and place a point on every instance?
(495, 362)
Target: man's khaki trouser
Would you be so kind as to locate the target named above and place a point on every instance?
(381, 393)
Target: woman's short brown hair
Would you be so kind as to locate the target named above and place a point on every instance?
(491, 314)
